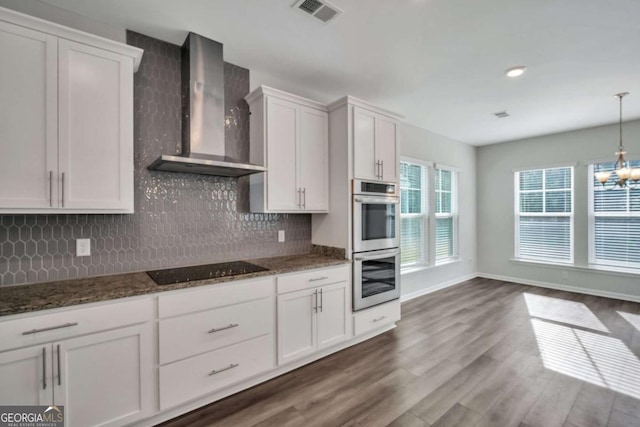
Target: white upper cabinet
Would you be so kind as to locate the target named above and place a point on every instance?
(375, 146)
(28, 118)
(66, 119)
(95, 128)
(290, 136)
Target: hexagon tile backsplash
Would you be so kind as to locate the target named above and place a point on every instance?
(179, 219)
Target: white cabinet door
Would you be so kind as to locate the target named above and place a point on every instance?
(95, 128)
(105, 379)
(364, 148)
(282, 134)
(296, 325)
(333, 314)
(313, 159)
(387, 148)
(25, 376)
(28, 118)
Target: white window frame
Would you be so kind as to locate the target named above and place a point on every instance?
(593, 262)
(426, 202)
(455, 195)
(518, 214)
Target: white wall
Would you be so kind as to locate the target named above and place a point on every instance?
(64, 17)
(496, 205)
(422, 144)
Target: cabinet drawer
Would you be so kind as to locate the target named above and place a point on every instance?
(311, 279)
(376, 317)
(196, 333)
(73, 322)
(213, 296)
(194, 377)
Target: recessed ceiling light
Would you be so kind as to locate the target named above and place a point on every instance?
(515, 71)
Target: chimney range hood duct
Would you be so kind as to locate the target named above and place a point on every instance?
(203, 144)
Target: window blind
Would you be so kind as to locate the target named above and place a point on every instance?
(446, 214)
(544, 214)
(614, 222)
(413, 213)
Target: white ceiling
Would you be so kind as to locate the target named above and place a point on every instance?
(440, 63)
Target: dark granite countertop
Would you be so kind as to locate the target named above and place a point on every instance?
(43, 296)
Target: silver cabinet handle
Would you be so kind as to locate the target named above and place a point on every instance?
(44, 368)
(315, 293)
(59, 371)
(224, 328)
(217, 371)
(380, 318)
(299, 197)
(304, 198)
(35, 331)
(321, 300)
(381, 169)
(377, 172)
(317, 279)
(50, 189)
(63, 189)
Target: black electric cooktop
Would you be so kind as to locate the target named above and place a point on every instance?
(202, 272)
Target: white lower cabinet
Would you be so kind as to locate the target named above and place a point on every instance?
(104, 379)
(314, 318)
(25, 376)
(206, 373)
(376, 317)
(228, 336)
(101, 378)
(103, 363)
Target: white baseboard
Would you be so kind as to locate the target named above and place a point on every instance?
(437, 287)
(567, 288)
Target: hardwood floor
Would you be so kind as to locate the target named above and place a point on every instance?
(482, 353)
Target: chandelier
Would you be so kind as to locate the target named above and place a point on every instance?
(624, 172)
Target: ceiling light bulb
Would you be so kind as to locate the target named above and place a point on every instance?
(516, 71)
(603, 177)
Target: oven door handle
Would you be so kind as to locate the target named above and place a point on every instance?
(381, 200)
(378, 255)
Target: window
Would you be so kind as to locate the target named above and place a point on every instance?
(446, 215)
(544, 214)
(614, 223)
(414, 218)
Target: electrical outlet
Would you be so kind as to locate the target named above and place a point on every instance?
(280, 236)
(83, 247)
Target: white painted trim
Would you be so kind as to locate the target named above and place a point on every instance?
(591, 268)
(417, 161)
(551, 166)
(443, 285)
(441, 166)
(61, 31)
(352, 100)
(574, 289)
(263, 90)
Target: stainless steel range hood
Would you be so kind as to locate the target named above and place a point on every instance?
(203, 144)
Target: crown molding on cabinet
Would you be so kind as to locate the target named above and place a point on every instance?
(31, 22)
(348, 99)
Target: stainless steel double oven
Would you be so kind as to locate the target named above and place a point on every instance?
(376, 251)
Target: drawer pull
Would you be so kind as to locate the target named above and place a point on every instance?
(319, 278)
(224, 328)
(35, 331)
(380, 318)
(217, 371)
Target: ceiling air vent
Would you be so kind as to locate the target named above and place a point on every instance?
(321, 10)
(501, 114)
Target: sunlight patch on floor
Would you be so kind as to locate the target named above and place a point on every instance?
(633, 319)
(591, 357)
(559, 310)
